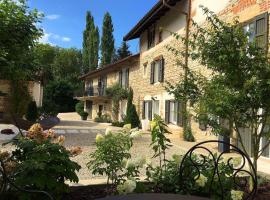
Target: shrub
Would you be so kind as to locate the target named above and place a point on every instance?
(118, 124)
(103, 118)
(84, 115)
(132, 115)
(79, 107)
(43, 163)
(117, 146)
(58, 97)
(32, 111)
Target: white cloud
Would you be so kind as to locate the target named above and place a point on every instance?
(47, 37)
(66, 39)
(52, 17)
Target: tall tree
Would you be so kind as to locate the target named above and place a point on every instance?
(107, 40)
(123, 51)
(18, 35)
(90, 44)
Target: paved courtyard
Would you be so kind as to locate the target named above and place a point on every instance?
(83, 133)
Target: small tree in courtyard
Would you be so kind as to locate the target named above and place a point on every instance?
(239, 86)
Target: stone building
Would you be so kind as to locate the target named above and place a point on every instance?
(156, 65)
(35, 90)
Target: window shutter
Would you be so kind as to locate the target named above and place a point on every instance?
(120, 78)
(179, 113)
(152, 73)
(143, 110)
(150, 104)
(161, 70)
(148, 39)
(261, 27)
(167, 111)
(127, 78)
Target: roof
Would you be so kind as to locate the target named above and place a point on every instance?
(109, 68)
(151, 17)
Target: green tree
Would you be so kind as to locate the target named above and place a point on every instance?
(107, 40)
(90, 44)
(123, 51)
(18, 35)
(58, 97)
(132, 115)
(44, 55)
(67, 66)
(239, 87)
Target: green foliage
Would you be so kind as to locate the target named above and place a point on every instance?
(160, 143)
(105, 118)
(44, 55)
(132, 115)
(44, 166)
(18, 35)
(84, 115)
(32, 112)
(188, 136)
(90, 45)
(67, 66)
(117, 93)
(118, 124)
(107, 40)
(58, 97)
(79, 108)
(110, 146)
(168, 181)
(239, 88)
(19, 97)
(123, 51)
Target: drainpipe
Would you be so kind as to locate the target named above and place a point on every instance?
(188, 22)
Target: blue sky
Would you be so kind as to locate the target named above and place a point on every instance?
(64, 20)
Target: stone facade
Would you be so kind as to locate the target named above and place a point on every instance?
(109, 73)
(35, 90)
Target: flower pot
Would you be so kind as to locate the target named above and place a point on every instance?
(84, 118)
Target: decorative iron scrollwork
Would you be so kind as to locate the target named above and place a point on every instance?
(243, 175)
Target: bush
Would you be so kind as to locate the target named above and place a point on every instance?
(43, 163)
(118, 124)
(84, 115)
(32, 112)
(79, 107)
(103, 118)
(120, 170)
(132, 115)
(58, 97)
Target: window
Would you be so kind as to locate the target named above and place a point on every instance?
(144, 69)
(157, 71)
(173, 112)
(151, 36)
(150, 108)
(257, 29)
(155, 107)
(124, 78)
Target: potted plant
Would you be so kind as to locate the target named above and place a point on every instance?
(84, 115)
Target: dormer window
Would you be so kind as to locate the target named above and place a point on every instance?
(151, 36)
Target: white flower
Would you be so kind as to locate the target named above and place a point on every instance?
(237, 195)
(130, 164)
(127, 127)
(136, 134)
(127, 187)
(108, 131)
(201, 181)
(99, 138)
